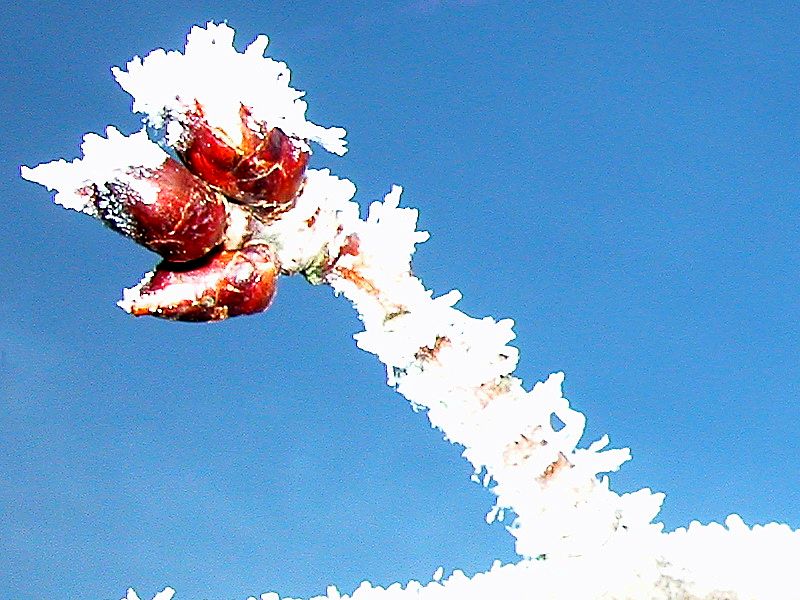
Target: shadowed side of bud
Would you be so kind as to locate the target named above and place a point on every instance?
(266, 169)
(227, 283)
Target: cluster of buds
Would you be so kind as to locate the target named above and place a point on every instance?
(240, 165)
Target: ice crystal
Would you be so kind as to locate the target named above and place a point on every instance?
(168, 86)
(106, 160)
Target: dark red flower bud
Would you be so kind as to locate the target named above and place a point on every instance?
(226, 283)
(266, 169)
(167, 210)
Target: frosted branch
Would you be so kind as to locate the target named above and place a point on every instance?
(241, 210)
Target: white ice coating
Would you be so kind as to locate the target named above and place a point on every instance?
(105, 159)
(459, 369)
(598, 544)
(703, 562)
(169, 296)
(165, 594)
(166, 85)
(296, 244)
(594, 542)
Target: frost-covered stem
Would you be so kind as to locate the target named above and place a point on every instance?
(240, 209)
(459, 369)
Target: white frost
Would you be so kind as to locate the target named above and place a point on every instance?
(460, 369)
(711, 562)
(105, 159)
(296, 244)
(168, 85)
(594, 542)
(165, 594)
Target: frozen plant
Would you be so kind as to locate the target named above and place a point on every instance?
(239, 208)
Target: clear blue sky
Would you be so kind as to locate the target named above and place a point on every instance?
(620, 180)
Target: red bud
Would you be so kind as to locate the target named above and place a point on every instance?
(267, 169)
(227, 283)
(172, 212)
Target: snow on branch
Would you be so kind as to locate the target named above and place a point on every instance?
(241, 209)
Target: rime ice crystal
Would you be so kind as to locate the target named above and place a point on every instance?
(168, 86)
(459, 369)
(325, 203)
(165, 594)
(135, 188)
(104, 159)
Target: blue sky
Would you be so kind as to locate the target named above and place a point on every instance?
(620, 180)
